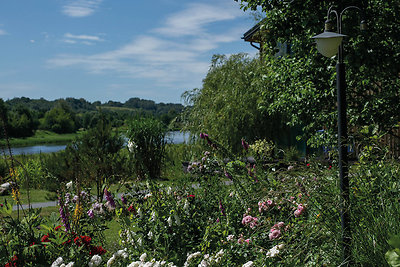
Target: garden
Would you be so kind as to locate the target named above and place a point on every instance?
(257, 184)
(261, 207)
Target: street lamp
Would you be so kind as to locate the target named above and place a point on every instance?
(329, 44)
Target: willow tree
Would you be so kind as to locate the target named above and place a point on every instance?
(226, 107)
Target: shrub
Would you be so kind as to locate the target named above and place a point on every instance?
(147, 144)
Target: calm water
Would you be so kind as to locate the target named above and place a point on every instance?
(175, 137)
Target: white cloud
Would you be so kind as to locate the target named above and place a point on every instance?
(192, 20)
(81, 8)
(170, 55)
(2, 32)
(83, 39)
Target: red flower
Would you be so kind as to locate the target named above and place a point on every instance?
(191, 196)
(13, 262)
(97, 251)
(67, 242)
(86, 240)
(131, 208)
(308, 164)
(57, 227)
(330, 167)
(45, 238)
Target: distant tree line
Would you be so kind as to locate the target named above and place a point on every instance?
(23, 116)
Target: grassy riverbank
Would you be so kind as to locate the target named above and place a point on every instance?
(42, 137)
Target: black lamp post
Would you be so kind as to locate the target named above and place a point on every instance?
(329, 44)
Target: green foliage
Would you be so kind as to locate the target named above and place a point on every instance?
(59, 119)
(147, 146)
(22, 122)
(304, 82)
(263, 150)
(20, 240)
(227, 105)
(94, 157)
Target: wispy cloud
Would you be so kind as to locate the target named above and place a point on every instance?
(192, 20)
(2, 32)
(168, 55)
(81, 8)
(84, 39)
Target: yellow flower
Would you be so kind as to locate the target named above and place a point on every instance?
(78, 212)
(16, 195)
(14, 174)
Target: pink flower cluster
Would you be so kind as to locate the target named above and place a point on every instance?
(241, 240)
(264, 206)
(300, 210)
(275, 231)
(249, 220)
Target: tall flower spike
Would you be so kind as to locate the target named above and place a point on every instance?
(63, 215)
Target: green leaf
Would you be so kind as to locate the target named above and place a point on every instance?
(392, 258)
(394, 241)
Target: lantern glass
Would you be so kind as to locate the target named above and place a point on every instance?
(328, 43)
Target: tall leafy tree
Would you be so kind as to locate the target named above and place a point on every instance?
(226, 107)
(304, 82)
(23, 122)
(59, 119)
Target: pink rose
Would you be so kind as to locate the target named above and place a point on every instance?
(299, 211)
(246, 220)
(274, 234)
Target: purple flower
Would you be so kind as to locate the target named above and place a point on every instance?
(83, 194)
(109, 198)
(63, 215)
(203, 136)
(222, 209)
(123, 200)
(90, 213)
(67, 198)
(228, 175)
(245, 145)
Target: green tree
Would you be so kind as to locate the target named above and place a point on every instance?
(59, 119)
(226, 107)
(22, 121)
(94, 155)
(304, 82)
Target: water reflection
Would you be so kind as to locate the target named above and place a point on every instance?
(174, 137)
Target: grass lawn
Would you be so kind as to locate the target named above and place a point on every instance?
(45, 212)
(36, 195)
(42, 137)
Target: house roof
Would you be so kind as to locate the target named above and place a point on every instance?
(255, 34)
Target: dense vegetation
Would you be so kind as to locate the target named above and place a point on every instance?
(240, 199)
(301, 86)
(24, 116)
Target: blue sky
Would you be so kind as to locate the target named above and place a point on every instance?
(114, 49)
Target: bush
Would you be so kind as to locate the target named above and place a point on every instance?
(147, 144)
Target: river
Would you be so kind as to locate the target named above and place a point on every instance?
(174, 137)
